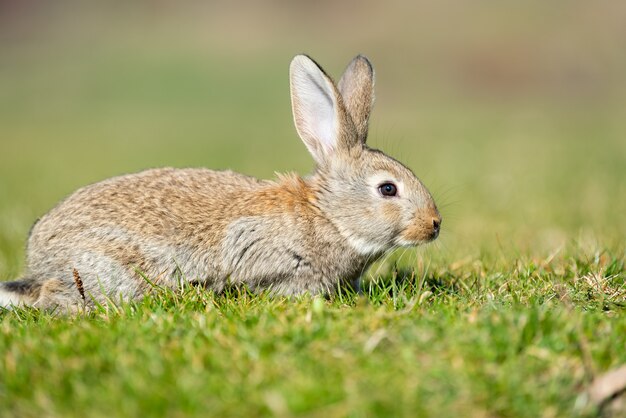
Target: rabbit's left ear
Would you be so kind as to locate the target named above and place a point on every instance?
(319, 113)
(357, 90)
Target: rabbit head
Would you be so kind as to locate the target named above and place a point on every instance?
(373, 200)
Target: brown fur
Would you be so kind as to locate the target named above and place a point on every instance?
(358, 93)
(422, 228)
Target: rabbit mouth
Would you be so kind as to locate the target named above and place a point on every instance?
(420, 232)
(404, 243)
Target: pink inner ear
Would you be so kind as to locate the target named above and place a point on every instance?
(320, 121)
(314, 106)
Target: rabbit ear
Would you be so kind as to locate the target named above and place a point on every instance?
(318, 110)
(357, 90)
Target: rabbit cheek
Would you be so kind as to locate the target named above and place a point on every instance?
(391, 213)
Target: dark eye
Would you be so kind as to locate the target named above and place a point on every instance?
(388, 189)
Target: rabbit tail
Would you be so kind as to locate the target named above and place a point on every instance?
(19, 292)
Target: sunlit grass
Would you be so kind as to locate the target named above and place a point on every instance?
(472, 340)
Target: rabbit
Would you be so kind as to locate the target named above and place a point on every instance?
(288, 236)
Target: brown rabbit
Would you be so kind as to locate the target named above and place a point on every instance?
(289, 236)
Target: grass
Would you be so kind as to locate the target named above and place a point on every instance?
(511, 313)
(479, 341)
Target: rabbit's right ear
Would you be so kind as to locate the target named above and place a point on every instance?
(357, 91)
(318, 110)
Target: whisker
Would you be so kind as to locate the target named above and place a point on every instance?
(383, 261)
(366, 265)
(402, 255)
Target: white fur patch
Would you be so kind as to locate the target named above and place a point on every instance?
(404, 243)
(9, 299)
(364, 247)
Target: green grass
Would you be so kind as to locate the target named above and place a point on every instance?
(520, 341)
(511, 313)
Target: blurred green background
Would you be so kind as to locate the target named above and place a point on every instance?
(513, 114)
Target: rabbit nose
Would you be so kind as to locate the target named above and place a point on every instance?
(436, 227)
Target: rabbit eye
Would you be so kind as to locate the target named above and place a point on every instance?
(388, 189)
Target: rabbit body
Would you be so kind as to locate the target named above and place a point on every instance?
(199, 225)
(289, 236)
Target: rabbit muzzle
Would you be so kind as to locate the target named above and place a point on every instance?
(424, 227)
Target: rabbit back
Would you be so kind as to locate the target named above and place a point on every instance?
(197, 225)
